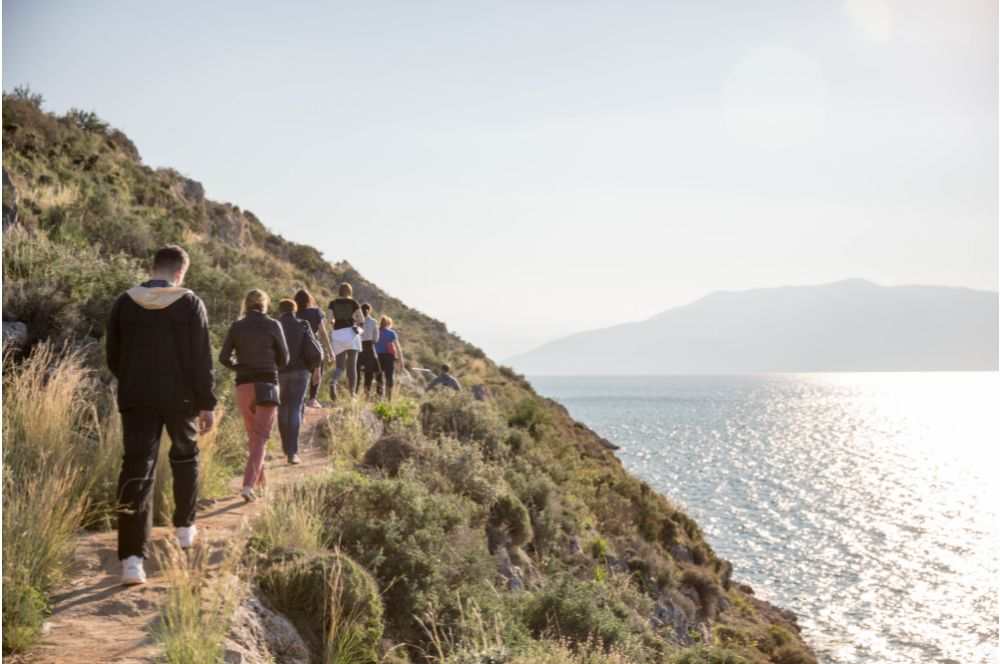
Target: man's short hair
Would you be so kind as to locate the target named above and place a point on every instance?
(366, 308)
(287, 306)
(445, 368)
(171, 258)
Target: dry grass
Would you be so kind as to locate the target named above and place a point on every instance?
(293, 517)
(195, 616)
(45, 483)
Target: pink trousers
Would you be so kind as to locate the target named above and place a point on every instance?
(258, 420)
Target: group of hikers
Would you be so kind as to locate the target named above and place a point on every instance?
(159, 350)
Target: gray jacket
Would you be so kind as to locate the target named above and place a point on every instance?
(260, 347)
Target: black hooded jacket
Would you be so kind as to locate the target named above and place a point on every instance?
(159, 349)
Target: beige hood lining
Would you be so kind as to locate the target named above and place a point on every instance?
(156, 298)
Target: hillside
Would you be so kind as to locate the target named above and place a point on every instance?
(503, 513)
(851, 325)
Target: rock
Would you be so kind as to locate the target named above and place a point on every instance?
(229, 225)
(575, 549)
(676, 613)
(480, 392)
(681, 553)
(509, 572)
(192, 190)
(9, 203)
(388, 454)
(259, 635)
(15, 334)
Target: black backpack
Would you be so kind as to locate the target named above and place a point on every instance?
(312, 354)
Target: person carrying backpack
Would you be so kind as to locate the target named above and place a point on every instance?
(345, 339)
(307, 310)
(304, 355)
(258, 342)
(158, 349)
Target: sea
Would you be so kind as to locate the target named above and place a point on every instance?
(864, 502)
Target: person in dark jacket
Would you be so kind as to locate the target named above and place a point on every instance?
(307, 310)
(445, 379)
(260, 347)
(159, 350)
(304, 353)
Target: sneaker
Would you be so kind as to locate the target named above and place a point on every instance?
(186, 535)
(132, 572)
(294, 460)
(248, 495)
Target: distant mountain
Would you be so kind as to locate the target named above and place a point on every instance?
(851, 325)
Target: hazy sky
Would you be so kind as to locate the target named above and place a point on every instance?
(523, 170)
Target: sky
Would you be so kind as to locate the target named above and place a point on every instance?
(525, 170)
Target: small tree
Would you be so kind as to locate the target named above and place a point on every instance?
(24, 93)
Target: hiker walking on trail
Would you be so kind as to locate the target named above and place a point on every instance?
(389, 351)
(307, 310)
(158, 348)
(304, 355)
(258, 342)
(445, 379)
(368, 360)
(346, 338)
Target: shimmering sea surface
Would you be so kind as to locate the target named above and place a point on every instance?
(866, 503)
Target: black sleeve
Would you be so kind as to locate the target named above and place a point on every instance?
(201, 356)
(226, 354)
(113, 340)
(280, 346)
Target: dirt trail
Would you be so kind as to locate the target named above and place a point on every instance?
(95, 619)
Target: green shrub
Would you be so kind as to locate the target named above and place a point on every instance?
(388, 454)
(707, 655)
(529, 415)
(707, 588)
(416, 543)
(333, 601)
(508, 516)
(577, 610)
(400, 414)
(459, 415)
(449, 466)
(24, 610)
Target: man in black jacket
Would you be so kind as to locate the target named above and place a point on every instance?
(159, 350)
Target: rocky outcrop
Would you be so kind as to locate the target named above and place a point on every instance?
(229, 225)
(15, 334)
(260, 636)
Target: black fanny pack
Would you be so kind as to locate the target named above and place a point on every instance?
(266, 394)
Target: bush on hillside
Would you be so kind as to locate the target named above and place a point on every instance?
(333, 601)
(388, 454)
(459, 415)
(578, 611)
(416, 543)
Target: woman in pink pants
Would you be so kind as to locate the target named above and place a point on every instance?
(255, 348)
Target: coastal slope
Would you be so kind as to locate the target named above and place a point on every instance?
(500, 511)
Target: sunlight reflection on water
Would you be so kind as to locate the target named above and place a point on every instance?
(863, 502)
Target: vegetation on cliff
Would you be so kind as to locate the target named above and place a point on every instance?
(496, 530)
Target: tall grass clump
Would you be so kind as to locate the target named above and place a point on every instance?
(197, 610)
(293, 518)
(51, 444)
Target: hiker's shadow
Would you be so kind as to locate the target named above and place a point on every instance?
(234, 505)
(92, 594)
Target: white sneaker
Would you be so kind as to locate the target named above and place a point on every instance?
(186, 535)
(132, 572)
(248, 495)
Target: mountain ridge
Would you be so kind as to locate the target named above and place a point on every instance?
(822, 328)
